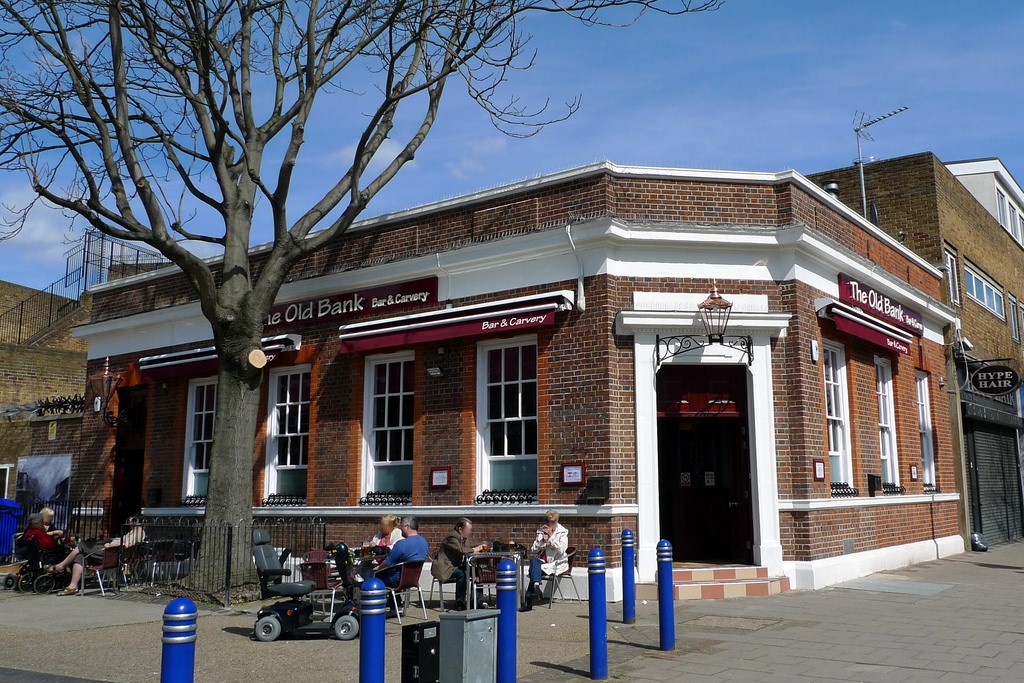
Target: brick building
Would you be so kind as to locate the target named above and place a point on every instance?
(492, 354)
(47, 363)
(968, 219)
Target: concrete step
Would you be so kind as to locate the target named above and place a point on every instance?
(717, 573)
(717, 583)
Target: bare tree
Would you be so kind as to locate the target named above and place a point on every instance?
(182, 122)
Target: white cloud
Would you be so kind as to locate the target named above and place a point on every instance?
(476, 157)
(47, 233)
(386, 153)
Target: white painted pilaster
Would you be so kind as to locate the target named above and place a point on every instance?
(648, 531)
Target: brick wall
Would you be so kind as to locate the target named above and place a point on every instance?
(34, 310)
(67, 434)
(11, 294)
(903, 191)
(28, 374)
(821, 534)
(978, 239)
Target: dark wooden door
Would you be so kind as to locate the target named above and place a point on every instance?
(704, 464)
(129, 457)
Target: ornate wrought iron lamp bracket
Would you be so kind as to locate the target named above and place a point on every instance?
(113, 419)
(670, 347)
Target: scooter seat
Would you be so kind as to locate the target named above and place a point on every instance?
(296, 588)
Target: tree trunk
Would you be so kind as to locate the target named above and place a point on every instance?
(230, 491)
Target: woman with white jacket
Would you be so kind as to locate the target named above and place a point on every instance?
(553, 540)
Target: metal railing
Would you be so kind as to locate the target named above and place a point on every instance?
(210, 562)
(96, 259)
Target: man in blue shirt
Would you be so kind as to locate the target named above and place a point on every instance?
(411, 548)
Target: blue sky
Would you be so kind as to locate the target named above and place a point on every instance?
(757, 85)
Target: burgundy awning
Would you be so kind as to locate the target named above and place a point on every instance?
(858, 324)
(508, 316)
(203, 361)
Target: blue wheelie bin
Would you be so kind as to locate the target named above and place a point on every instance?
(10, 512)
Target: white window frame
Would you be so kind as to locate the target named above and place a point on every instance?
(1012, 227)
(7, 468)
(952, 277)
(991, 295)
(1011, 302)
(1020, 312)
(838, 445)
(188, 486)
(924, 428)
(271, 468)
(887, 448)
(1001, 207)
(370, 465)
(484, 458)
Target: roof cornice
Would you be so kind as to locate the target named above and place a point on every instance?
(606, 167)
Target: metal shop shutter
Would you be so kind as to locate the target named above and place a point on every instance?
(995, 457)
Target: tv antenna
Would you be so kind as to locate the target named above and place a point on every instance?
(860, 130)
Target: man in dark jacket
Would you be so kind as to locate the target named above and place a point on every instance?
(451, 559)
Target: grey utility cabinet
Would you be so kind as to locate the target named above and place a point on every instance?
(469, 646)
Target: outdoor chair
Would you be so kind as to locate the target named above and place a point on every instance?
(556, 579)
(437, 582)
(164, 555)
(408, 581)
(486, 574)
(135, 563)
(315, 555)
(109, 562)
(319, 573)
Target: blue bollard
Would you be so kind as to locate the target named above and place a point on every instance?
(628, 577)
(373, 608)
(598, 616)
(178, 656)
(507, 578)
(666, 597)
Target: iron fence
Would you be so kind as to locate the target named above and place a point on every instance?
(210, 562)
(186, 555)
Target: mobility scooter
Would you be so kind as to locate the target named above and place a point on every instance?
(295, 615)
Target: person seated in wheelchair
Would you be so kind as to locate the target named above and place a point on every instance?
(91, 549)
(37, 547)
(48, 523)
(37, 533)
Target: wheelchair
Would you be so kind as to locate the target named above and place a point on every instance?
(31, 577)
(295, 615)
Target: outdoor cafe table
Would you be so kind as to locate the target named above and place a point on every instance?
(474, 560)
(368, 560)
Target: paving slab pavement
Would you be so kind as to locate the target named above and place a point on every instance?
(958, 619)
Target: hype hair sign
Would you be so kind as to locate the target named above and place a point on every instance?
(879, 305)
